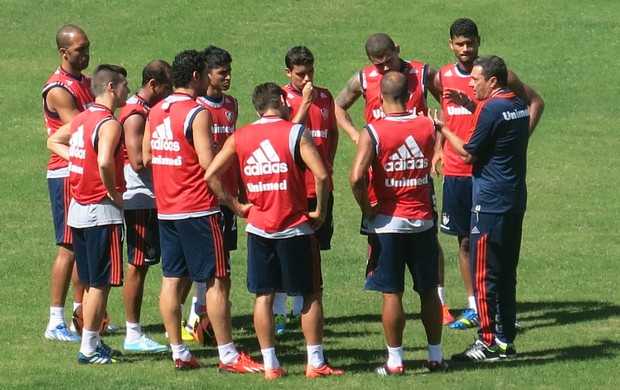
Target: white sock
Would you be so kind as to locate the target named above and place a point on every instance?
(193, 315)
(472, 303)
(434, 353)
(76, 305)
(395, 356)
(90, 341)
(269, 358)
(315, 355)
(201, 293)
(228, 353)
(134, 331)
(298, 304)
(442, 294)
(57, 317)
(180, 351)
(279, 304)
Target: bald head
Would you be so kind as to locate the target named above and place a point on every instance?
(394, 88)
(379, 45)
(65, 35)
(158, 70)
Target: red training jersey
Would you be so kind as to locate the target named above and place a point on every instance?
(84, 178)
(458, 118)
(370, 80)
(404, 145)
(79, 88)
(135, 105)
(268, 152)
(224, 115)
(319, 122)
(179, 185)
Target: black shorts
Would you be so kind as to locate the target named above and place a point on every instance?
(325, 233)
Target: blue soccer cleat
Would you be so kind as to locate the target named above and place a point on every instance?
(61, 333)
(469, 319)
(144, 344)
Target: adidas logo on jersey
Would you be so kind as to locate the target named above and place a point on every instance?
(264, 161)
(76, 144)
(162, 139)
(408, 157)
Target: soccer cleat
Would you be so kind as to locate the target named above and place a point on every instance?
(446, 316)
(185, 365)
(274, 373)
(243, 365)
(435, 366)
(96, 358)
(144, 344)
(107, 350)
(280, 320)
(469, 319)
(478, 352)
(186, 331)
(385, 370)
(506, 350)
(324, 370)
(61, 333)
(110, 329)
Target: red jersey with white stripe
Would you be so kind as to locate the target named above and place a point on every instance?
(268, 153)
(135, 105)
(84, 177)
(404, 145)
(79, 88)
(458, 118)
(179, 184)
(318, 122)
(370, 80)
(224, 115)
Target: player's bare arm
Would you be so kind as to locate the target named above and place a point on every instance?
(364, 156)
(534, 101)
(203, 141)
(58, 142)
(454, 141)
(334, 136)
(133, 129)
(345, 99)
(430, 81)
(220, 164)
(60, 101)
(312, 159)
(109, 138)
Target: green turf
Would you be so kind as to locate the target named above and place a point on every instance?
(568, 297)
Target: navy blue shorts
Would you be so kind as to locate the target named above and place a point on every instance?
(292, 265)
(230, 228)
(325, 233)
(391, 252)
(99, 255)
(457, 200)
(194, 248)
(60, 197)
(142, 229)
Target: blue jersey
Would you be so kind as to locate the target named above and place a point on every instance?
(499, 141)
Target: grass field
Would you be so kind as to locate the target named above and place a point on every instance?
(569, 303)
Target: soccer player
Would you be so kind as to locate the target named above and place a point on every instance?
(142, 234)
(178, 145)
(458, 105)
(283, 254)
(385, 57)
(399, 225)
(314, 107)
(66, 93)
(224, 113)
(497, 149)
(92, 143)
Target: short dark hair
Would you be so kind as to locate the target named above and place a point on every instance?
(394, 87)
(104, 74)
(379, 45)
(184, 65)
(464, 27)
(158, 70)
(493, 66)
(266, 96)
(216, 57)
(298, 55)
(63, 36)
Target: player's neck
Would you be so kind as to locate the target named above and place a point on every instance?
(214, 94)
(393, 108)
(106, 101)
(465, 67)
(147, 96)
(77, 73)
(187, 91)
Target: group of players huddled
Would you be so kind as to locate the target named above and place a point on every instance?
(174, 169)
